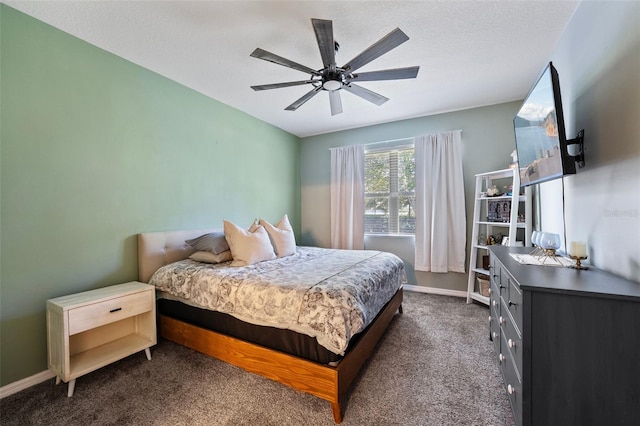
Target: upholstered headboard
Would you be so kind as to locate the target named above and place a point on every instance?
(156, 249)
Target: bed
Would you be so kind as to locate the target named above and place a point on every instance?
(297, 352)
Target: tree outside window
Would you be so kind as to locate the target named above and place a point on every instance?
(390, 192)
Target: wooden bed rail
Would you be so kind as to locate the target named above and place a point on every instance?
(323, 381)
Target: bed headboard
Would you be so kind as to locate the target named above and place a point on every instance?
(156, 249)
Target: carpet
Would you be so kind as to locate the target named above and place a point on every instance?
(434, 366)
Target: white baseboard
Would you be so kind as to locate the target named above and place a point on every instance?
(435, 290)
(25, 383)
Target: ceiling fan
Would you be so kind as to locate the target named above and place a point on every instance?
(332, 78)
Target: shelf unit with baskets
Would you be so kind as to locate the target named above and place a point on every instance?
(508, 215)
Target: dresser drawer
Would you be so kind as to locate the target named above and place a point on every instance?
(512, 383)
(108, 311)
(514, 303)
(494, 300)
(512, 341)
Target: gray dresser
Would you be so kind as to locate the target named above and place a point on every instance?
(567, 342)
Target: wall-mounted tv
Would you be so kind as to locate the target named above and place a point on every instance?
(541, 143)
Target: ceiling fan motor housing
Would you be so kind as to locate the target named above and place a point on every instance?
(332, 79)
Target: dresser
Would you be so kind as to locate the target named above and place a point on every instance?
(567, 342)
(89, 330)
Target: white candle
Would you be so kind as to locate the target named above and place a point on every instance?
(578, 249)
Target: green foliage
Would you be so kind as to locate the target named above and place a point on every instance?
(381, 193)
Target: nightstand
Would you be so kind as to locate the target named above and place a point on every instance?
(88, 330)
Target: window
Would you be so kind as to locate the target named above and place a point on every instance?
(389, 191)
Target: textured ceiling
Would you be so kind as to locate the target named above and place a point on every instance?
(470, 53)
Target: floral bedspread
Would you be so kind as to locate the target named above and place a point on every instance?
(327, 294)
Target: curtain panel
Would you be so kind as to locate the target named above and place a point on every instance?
(441, 226)
(347, 197)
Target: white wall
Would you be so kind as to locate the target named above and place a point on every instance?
(598, 61)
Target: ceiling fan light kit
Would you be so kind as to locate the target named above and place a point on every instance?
(332, 78)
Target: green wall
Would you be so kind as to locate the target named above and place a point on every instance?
(95, 150)
(487, 138)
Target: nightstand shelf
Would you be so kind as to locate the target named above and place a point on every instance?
(86, 331)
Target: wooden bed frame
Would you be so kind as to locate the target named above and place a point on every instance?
(327, 382)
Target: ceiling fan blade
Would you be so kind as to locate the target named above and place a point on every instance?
(271, 57)
(391, 74)
(279, 85)
(336, 102)
(297, 104)
(392, 40)
(365, 93)
(324, 35)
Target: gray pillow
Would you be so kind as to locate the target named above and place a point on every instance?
(214, 242)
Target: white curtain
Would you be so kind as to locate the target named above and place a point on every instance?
(347, 197)
(441, 226)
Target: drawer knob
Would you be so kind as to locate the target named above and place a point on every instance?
(115, 310)
(501, 320)
(511, 390)
(512, 303)
(501, 358)
(495, 335)
(495, 303)
(511, 343)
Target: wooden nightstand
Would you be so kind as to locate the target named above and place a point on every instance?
(86, 331)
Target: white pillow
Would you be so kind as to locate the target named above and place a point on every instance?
(282, 236)
(210, 257)
(248, 247)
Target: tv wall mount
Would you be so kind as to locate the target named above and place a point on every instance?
(577, 152)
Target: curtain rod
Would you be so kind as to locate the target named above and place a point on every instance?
(389, 141)
(410, 138)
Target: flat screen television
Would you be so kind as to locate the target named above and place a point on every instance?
(541, 142)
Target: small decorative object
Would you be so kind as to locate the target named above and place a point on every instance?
(483, 285)
(535, 240)
(548, 243)
(493, 191)
(499, 211)
(578, 253)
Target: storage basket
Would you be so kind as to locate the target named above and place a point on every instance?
(483, 285)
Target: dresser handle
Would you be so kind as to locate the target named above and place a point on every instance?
(115, 310)
(511, 390)
(511, 343)
(512, 303)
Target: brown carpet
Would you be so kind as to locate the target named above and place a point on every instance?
(434, 366)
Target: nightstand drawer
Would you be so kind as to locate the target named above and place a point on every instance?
(108, 311)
